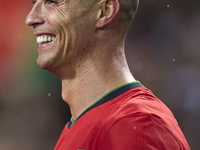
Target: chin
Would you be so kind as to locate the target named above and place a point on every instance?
(49, 65)
(44, 64)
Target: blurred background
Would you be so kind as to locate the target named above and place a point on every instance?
(163, 51)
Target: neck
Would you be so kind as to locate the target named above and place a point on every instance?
(102, 71)
(94, 81)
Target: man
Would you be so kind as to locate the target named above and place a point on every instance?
(82, 42)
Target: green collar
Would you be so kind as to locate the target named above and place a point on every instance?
(107, 97)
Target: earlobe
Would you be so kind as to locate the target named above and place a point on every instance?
(108, 12)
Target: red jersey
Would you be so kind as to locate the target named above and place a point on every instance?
(127, 118)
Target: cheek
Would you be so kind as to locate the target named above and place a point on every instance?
(69, 31)
(59, 21)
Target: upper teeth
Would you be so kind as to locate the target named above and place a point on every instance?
(42, 39)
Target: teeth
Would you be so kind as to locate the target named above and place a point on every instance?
(45, 39)
(49, 39)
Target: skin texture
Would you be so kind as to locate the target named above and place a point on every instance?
(67, 24)
(88, 51)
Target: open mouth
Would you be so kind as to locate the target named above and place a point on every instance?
(45, 39)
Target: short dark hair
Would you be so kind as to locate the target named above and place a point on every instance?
(126, 14)
(128, 8)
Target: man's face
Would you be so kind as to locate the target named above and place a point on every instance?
(63, 29)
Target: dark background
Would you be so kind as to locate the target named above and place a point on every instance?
(163, 51)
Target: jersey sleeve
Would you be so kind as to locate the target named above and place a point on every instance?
(139, 133)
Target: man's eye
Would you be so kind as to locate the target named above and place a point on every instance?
(52, 2)
(33, 2)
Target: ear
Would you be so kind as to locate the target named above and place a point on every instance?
(108, 12)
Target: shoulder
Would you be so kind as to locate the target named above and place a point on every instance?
(139, 132)
(142, 121)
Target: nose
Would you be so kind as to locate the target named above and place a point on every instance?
(35, 16)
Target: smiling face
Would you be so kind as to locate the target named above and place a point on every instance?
(64, 28)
